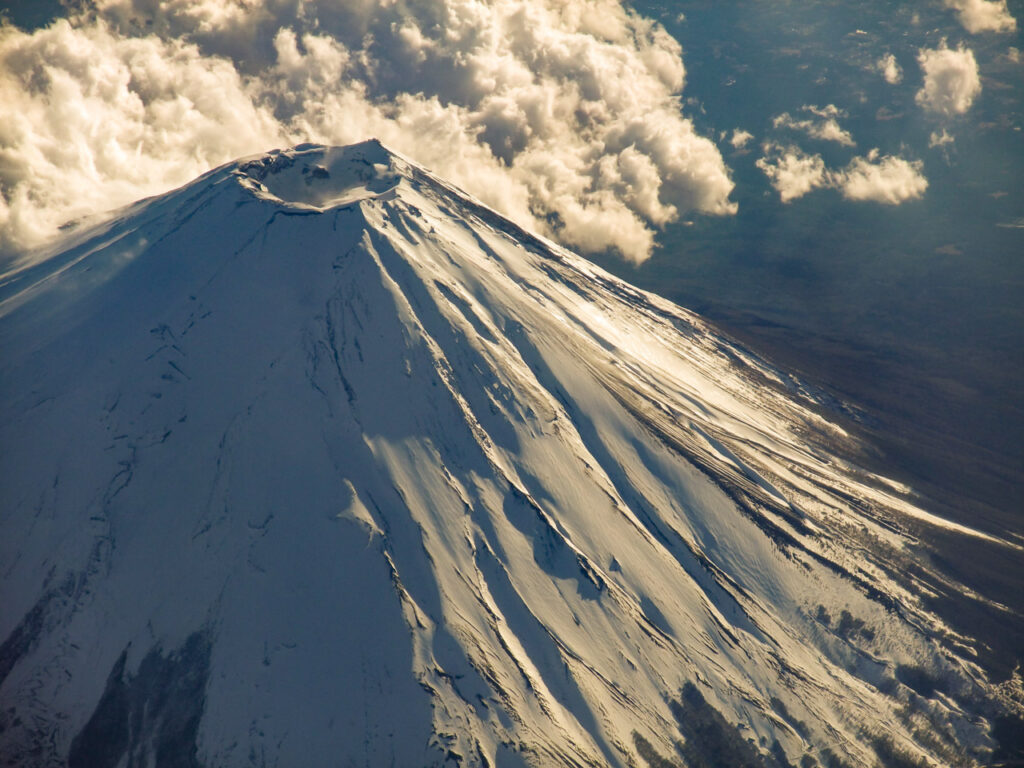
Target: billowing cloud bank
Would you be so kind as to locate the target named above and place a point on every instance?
(951, 80)
(882, 179)
(983, 15)
(95, 120)
(564, 114)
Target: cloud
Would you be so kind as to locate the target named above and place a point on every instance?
(94, 120)
(882, 179)
(740, 138)
(890, 69)
(825, 128)
(563, 114)
(983, 15)
(951, 81)
(792, 172)
(937, 139)
(829, 110)
(890, 180)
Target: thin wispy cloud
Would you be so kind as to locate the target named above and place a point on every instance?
(823, 125)
(565, 115)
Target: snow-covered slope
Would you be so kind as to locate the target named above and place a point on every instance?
(317, 461)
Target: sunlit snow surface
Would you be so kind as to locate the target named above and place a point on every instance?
(390, 480)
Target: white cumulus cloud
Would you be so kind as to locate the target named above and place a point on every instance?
(983, 15)
(823, 126)
(792, 172)
(882, 179)
(890, 69)
(740, 138)
(951, 81)
(890, 180)
(563, 114)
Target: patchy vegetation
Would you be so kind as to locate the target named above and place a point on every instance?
(798, 725)
(848, 627)
(711, 740)
(892, 756)
(650, 754)
(920, 680)
(152, 715)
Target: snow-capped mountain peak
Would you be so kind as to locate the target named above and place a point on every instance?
(317, 460)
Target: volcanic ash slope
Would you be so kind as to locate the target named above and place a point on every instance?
(318, 461)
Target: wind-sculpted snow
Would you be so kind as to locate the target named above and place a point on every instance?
(423, 488)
